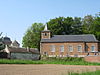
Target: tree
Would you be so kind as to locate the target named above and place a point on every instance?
(2, 46)
(60, 25)
(87, 24)
(31, 38)
(68, 25)
(95, 28)
(77, 26)
(56, 25)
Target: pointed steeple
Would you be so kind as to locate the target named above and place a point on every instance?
(46, 28)
(46, 34)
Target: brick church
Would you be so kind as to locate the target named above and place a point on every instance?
(68, 45)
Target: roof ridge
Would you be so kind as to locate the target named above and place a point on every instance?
(74, 35)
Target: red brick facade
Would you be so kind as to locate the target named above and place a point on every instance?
(46, 49)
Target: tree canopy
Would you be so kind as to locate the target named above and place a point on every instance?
(31, 38)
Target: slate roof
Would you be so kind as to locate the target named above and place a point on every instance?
(71, 38)
(6, 40)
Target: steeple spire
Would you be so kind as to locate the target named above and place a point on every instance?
(46, 28)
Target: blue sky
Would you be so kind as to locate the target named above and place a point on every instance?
(17, 15)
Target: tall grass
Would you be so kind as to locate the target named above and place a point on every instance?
(11, 61)
(68, 61)
(87, 73)
(65, 61)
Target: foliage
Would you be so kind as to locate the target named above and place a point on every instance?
(31, 38)
(87, 23)
(11, 61)
(96, 27)
(87, 73)
(62, 25)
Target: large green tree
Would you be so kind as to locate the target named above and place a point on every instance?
(31, 38)
(68, 25)
(77, 26)
(56, 25)
(87, 23)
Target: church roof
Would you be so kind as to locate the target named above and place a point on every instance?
(71, 38)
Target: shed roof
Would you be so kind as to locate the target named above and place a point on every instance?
(23, 50)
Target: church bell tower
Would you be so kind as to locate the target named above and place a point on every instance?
(46, 34)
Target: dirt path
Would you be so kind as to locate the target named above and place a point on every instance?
(43, 69)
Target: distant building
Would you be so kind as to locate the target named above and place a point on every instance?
(6, 40)
(68, 45)
(20, 53)
(15, 44)
(14, 51)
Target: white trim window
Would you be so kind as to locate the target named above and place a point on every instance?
(92, 48)
(52, 48)
(70, 48)
(62, 48)
(79, 48)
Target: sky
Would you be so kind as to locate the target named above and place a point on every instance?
(16, 16)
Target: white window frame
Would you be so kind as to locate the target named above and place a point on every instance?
(70, 48)
(80, 48)
(94, 48)
(53, 48)
(62, 48)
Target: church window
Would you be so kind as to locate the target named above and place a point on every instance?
(52, 48)
(70, 48)
(62, 48)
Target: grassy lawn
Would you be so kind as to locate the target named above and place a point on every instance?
(88, 73)
(65, 61)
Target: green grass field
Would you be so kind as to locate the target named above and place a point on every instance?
(87, 73)
(65, 61)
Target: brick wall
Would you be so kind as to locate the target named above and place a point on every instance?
(45, 47)
(92, 44)
(45, 35)
(99, 46)
(92, 58)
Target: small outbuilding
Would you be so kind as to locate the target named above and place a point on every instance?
(22, 53)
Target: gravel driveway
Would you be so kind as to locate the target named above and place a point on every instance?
(43, 69)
